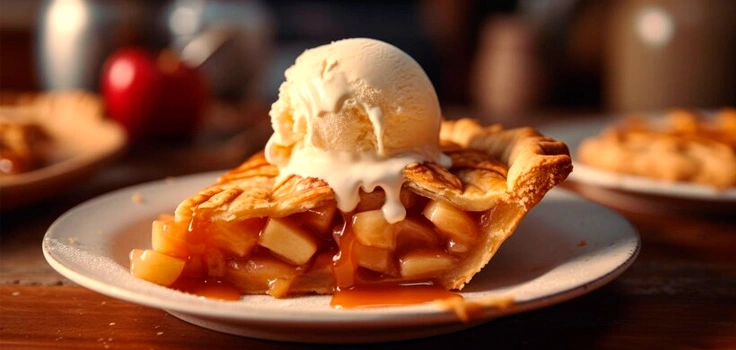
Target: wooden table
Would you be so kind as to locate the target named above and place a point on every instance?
(680, 293)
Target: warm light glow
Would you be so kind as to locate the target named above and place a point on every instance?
(185, 19)
(67, 16)
(6, 166)
(655, 26)
(121, 74)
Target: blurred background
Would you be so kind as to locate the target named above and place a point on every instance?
(498, 60)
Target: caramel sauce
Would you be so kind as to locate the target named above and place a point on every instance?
(354, 288)
(344, 262)
(352, 291)
(208, 288)
(390, 295)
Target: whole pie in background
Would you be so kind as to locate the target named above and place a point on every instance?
(50, 141)
(23, 143)
(682, 146)
(35, 127)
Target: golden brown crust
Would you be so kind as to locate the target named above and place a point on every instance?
(499, 173)
(534, 164)
(492, 164)
(680, 147)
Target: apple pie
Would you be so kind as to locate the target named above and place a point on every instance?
(21, 144)
(288, 237)
(681, 147)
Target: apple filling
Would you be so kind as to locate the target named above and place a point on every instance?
(321, 249)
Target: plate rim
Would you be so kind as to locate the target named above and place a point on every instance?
(646, 186)
(421, 314)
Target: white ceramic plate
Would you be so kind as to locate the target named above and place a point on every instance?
(573, 133)
(544, 263)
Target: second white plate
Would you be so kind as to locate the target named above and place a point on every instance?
(564, 248)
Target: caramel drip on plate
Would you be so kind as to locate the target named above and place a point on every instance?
(391, 295)
(207, 287)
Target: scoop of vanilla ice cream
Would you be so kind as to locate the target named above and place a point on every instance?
(355, 113)
(357, 96)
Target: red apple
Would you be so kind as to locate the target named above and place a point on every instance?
(153, 95)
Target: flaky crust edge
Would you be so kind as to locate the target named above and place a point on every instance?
(536, 163)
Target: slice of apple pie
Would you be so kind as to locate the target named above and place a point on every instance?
(286, 236)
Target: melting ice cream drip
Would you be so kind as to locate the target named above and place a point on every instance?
(327, 139)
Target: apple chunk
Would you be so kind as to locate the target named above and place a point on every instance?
(415, 233)
(155, 267)
(371, 229)
(453, 223)
(425, 263)
(372, 258)
(169, 238)
(237, 238)
(319, 219)
(288, 240)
